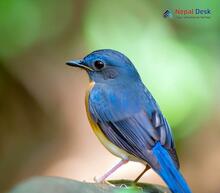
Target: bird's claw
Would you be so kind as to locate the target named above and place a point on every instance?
(96, 180)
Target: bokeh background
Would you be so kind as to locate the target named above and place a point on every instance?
(43, 124)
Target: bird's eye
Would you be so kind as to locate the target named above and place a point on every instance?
(99, 64)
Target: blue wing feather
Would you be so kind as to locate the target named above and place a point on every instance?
(127, 120)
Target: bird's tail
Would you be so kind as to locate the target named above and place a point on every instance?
(168, 171)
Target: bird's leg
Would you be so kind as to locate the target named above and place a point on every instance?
(142, 173)
(112, 170)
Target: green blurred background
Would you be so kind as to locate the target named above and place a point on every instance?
(43, 124)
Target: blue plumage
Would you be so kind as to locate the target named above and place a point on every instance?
(129, 117)
(168, 171)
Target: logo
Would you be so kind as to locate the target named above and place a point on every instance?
(188, 13)
(167, 14)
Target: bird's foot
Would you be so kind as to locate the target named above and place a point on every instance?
(101, 181)
(123, 186)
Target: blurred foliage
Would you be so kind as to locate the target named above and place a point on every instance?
(25, 129)
(62, 185)
(24, 23)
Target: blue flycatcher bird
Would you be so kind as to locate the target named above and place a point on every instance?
(126, 118)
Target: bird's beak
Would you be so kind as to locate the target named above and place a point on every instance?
(78, 63)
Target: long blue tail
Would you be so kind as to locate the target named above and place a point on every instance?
(168, 171)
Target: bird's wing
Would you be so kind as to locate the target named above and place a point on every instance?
(137, 132)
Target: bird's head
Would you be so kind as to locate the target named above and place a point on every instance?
(107, 65)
